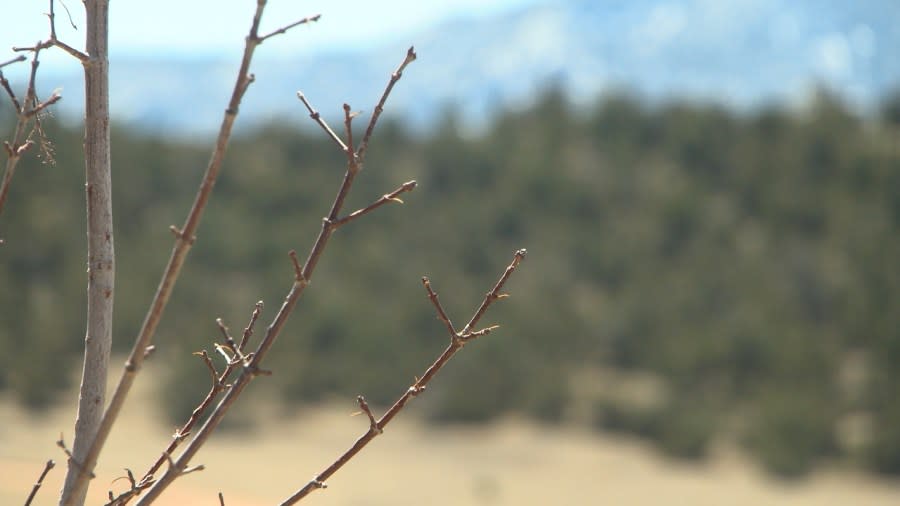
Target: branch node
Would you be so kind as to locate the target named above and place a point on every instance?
(62, 444)
(284, 29)
(179, 234)
(189, 470)
(363, 405)
(318, 119)
(40, 481)
(298, 270)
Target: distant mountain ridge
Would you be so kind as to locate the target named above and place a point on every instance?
(740, 53)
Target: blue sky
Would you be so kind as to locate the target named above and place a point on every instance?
(188, 27)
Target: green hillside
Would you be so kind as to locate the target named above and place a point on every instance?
(693, 272)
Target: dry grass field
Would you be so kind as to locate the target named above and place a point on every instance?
(507, 463)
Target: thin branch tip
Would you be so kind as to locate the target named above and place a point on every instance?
(364, 406)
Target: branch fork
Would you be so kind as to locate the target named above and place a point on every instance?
(458, 339)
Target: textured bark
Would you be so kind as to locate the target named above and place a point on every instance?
(101, 258)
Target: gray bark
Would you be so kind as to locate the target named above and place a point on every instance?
(101, 258)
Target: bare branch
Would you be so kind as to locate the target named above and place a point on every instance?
(348, 130)
(100, 251)
(17, 59)
(283, 29)
(251, 365)
(479, 333)
(26, 111)
(495, 293)
(82, 57)
(364, 145)
(184, 240)
(37, 485)
(314, 114)
(12, 95)
(229, 342)
(54, 41)
(385, 199)
(52, 99)
(135, 488)
(442, 315)
(248, 330)
(218, 385)
(377, 427)
(364, 406)
(298, 270)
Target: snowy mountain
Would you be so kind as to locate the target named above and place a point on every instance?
(739, 52)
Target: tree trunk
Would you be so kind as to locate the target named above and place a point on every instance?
(101, 258)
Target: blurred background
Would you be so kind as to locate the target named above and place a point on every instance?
(709, 193)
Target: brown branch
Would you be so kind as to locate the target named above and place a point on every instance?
(379, 108)
(82, 57)
(37, 485)
(229, 341)
(26, 111)
(377, 427)
(283, 29)
(71, 458)
(364, 406)
(442, 315)
(53, 41)
(251, 366)
(184, 240)
(17, 59)
(248, 330)
(134, 489)
(218, 386)
(314, 114)
(298, 269)
(348, 129)
(385, 199)
(221, 499)
(12, 95)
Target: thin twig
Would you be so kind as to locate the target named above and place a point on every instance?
(26, 111)
(134, 489)
(9, 91)
(364, 406)
(218, 385)
(348, 130)
(248, 330)
(17, 59)
(229, 341)
(364, 145)
(251, 366)
(54, 41)
(385, 199)
(283, 29)
(377, 427)
(298, 269)
(442, 315)
(37, 485)
(314, 114)
(184, 241)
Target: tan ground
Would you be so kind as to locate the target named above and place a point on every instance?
(508, 463)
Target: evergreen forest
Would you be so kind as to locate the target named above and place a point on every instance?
(695, 274)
